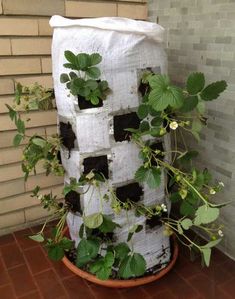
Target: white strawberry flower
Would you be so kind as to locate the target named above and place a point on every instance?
(163, 207)
(220, 233)
(221, 184)
(174, 125)
(212, 191)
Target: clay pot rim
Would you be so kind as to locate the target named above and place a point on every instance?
(129, 283)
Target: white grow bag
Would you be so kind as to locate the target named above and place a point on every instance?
(128, 48)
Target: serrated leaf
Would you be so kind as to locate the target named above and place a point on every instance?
(108, 225)
(20, 126)
(186, 223)
(143, 111)
(12, 112)
(93, 220)
(121, 251)
(213, 91)
(39, 142)
(137, 265)
(93, 72)
(152, 176)
(186, 208)
(195, 83)
(38, 238)
(206, 252)
(64, 78)
(212, 243)
(156, 121)
(70, 57)
(83, 61)
(56, 253)
(163, 94)
(125, 268)
(205, 215)
(144, 126)
(95, 59)
(17, 139)
(189, 104)
(186, 157)
(86, 251)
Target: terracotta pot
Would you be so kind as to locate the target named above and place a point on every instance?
(129, 283)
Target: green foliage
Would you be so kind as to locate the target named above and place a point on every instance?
(152, 176)
(103, 266)
(56, 249)
(94, 220)
(213, 91)
(195, 83)
(87, 250)
(135, 229)
(163, 94)
(133, 265)
(205, 215)
(108, 226)
(83, 80)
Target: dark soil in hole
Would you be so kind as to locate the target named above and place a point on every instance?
(144, 88)
(67, 135)
(84, 104)
(72, 200)
(97, 165)
(103, 236)
(59, 157)
(157, 146)
(132, 192)
(155, 220)
(122, 122)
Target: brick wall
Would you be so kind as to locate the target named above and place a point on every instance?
(200, 36)
(25, 42)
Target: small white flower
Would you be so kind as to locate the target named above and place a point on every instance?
(174, 125)
(212, 191)
(221, 184)
(220, 233)
(163, 207)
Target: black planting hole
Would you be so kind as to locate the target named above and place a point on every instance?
(59, 157)
(72, 200)
(84, 104)
(155, 220)
(157, 146)
(131, 191)
(97, 165)
(67, 135)
(122, 122)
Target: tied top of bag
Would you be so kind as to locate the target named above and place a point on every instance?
(150, 30)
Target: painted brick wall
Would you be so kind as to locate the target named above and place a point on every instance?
(200, 36)
(25, 45)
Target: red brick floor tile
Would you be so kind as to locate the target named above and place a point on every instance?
(32, 295)
(77, 288)
(36, 260)
(185, 268)
(6, 292)
(216, 273)
(7, 239)
(61, 270)
(23, 240)
(204, 285)
(4, 278)
(229, 287)
(22, 280)
(49, 285)
(12, 256)
(163, 295)
(229, 266)
(106, 293)
(137, 293)
(179, 287)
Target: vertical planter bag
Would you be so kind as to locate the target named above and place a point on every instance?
(95, 137)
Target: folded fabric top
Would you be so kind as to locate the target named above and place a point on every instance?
(151, 30)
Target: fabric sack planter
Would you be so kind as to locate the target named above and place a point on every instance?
(95, 135)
